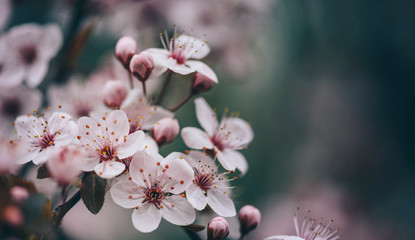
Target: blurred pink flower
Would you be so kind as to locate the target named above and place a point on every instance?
(30, 47)
(209, 186)
(231, 134)
(166, 130)
(218, 229)
(153, 190)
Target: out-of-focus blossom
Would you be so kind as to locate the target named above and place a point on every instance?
(166, 130)
(30, 47)
(209, 186)
(65, 163)
(114, 93)
(218, 229)
(19, 194)
(141, 115)
(310, 229)
(249, 218)
(153, 190)
(225, 138)
(125, 49)
(77, 98)
(12, 215)
(5, 11)
(142, 66)
(41, 135)
(16, 101)
(177, 52)
(201, 83)
(109, 143)
(11, 153)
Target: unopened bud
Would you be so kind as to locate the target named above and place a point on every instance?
(13, 215)
(218, 229)
(114, 93)
(165, 130)
(249, 218)
(125, 49)
(142, 65)
(65, 163)
(19, 194)
(201, 83)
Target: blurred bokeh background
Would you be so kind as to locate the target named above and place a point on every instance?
(328, 87)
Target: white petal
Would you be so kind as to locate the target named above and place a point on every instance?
(280, 237)
(36, 73)
(88, 130)
(226, 160)
(238, 160)
(150, 144)
(145, 160)
(202, 68)
(206, 116)
(133, 143)
(121, 192)
(196, 138)
(161, 51)
(196, 156)
(178, 68)
(199, 50)
(221, 203)
(41, 157)
(67, 134)
(51, 42)
(109, 169)
(12, 74)
(117, 123)
(90, 163)
(196, 197)
(178, 211)
(147, 218)
(157, 113)
(241, 132)
(178, 170)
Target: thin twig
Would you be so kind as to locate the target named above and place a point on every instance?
(164, 89)
(62, 209)
(182, 102)
(130, 78)
(144, 88)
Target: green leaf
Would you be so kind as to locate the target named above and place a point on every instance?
(42, 172)
(194, 227)
(93, 191)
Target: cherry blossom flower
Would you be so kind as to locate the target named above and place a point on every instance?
(177, 52)
(310, 230)
(225, 138)
(110, 144)
(42, 134)
(30, 47)
(209, 186)
(153, 190)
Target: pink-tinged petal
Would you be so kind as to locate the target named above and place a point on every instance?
(226, 160)
(132, 144)
(202, 68)
(142, 164)
(238, 160)
(51, 42)
(178, 210)
(66, 135)
(161, 51)
(41, 157)
(157, 113)
(118, 125)
(109, 169)
(280, 237)
(127, 194)
(12, 74)
(150, 144)
(179, 170)
(146, 218)
(88, 131)
(90, 163)
(221, 203)
(196, 197)
(197, 158)
(241, 133)
(178, 68)
(29, 126)
(206, 116)
(57, 121)
(27, 157)
(199, 48)
(36, 73)
(196, 138)
(160, 65)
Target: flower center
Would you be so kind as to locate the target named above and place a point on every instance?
(204, 181)
(28, 54)
(218, 139)
(107, 153)
(154, 195)
(46, 141)
(177, 54)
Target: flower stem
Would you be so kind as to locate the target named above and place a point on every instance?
(62, 209)
(242, 237)
(130, 79)
(191, 234)
(182, 102)
(144, 88)
(164, 89)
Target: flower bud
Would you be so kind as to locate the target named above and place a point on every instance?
(19, 194)
(218, 229)
(114, 93)
(142, 65)
(165, 130)
(65, 163)
(125, 49)
(249, 218)
(201, 83)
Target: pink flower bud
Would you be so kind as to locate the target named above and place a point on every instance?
(142, 65)
(201, 83)
(249, 218)
(125, 49)
(114, 93)
(13, 215)
(218, 229)
(165, 130)
(19, 194)
(65, 163)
